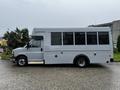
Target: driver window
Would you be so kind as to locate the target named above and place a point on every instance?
(36, 43)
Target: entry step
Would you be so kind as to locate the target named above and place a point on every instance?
(41, 62)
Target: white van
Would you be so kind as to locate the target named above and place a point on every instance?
(80, 46)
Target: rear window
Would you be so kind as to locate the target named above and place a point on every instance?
(103, 38)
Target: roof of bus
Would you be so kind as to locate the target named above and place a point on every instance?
(39, 30)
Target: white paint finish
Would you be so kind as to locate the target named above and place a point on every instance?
(67, 53)
(34, 54)
(68, 56)
(39, 30)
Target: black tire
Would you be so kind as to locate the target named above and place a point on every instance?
(82, 62)
(21, 61)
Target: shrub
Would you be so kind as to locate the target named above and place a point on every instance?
(115, 50)
(118, 43)
(6, 54)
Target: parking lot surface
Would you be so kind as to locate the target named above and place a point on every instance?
(59, 77)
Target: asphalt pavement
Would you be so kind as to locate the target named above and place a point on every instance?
(59, 77)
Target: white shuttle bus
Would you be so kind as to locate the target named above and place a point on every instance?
(80, 46)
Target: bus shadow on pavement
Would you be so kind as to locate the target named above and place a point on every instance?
(63, 66)
(96, 66)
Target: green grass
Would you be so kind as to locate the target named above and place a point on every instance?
(5, 56)
(117, 56)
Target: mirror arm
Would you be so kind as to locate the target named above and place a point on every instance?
(28, 45)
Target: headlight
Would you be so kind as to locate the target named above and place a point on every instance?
(12, 53)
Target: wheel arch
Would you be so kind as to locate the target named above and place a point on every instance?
(21, 56)
(81, 55)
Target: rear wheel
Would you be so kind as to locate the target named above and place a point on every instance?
(21, 61)
(82, 62)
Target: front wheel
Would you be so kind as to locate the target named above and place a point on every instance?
(21, 61)
(82, 62)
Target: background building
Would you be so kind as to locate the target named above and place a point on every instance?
(3, 43)
(115, 27)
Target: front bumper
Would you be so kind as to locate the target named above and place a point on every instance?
(12, 59)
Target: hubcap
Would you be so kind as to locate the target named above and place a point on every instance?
(81, 62)
(22, 62)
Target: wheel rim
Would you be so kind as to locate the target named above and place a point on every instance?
(22, 62)
(81, 62)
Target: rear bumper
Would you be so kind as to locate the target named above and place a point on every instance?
(111, 60)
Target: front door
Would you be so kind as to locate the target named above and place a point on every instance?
(35, 52)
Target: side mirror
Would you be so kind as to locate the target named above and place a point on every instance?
(28, 45)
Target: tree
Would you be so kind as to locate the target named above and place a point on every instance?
(17, 38)
(118, 43)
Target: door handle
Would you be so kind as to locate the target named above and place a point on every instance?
(41, 49)
(61, 52)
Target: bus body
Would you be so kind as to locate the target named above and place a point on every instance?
(66, 46)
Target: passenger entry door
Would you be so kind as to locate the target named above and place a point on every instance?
(35, 52)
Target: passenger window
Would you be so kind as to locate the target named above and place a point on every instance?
(35, 43)
(56, 38)
(91, 38)
(67, 38)
(79, 38)
(103, 38)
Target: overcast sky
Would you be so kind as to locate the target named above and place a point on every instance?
(56, 13)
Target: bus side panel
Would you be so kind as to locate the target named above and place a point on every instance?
(101, 56)
(57, 57)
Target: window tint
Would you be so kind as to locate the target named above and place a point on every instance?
(35, 43)
(37, 37)
(67, 38)
(79, 38)
(103, 37)
(91, 38)
(56, 38)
